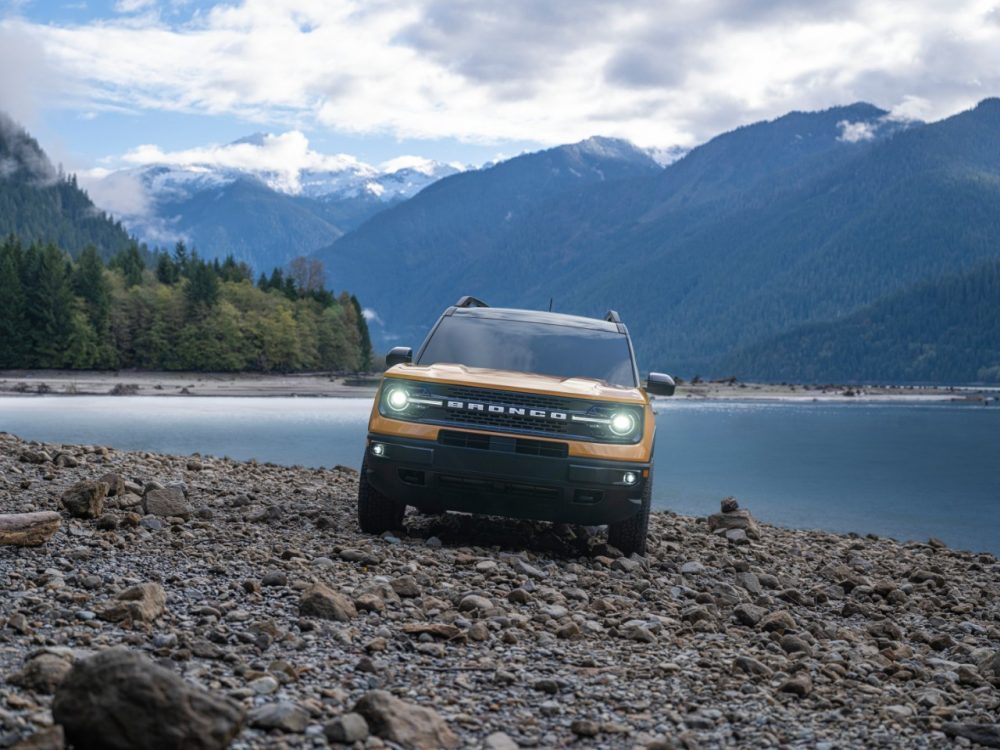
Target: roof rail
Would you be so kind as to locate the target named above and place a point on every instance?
(612, 316)
(468, 301)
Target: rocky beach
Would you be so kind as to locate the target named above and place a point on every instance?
(188, 601)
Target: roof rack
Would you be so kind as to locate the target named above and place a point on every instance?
(612, 316)
(468, 301)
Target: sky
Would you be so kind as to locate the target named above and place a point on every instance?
(111, 83)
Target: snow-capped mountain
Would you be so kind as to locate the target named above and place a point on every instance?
(264, 199)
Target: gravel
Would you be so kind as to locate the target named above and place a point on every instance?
(499, 633)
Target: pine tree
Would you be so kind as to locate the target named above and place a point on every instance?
(49, 306)
(12, 306)
(203, 287)
(364, 337)
(166, 269)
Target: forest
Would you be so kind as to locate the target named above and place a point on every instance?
(171, 311)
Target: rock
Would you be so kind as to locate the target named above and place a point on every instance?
(42, 673)
(750, 582)
(692, 568)
(166, 502)
(29, 456)
(500, 741)
(519, 596)
(585, 728)
(85, 499)
(405, 586)
(749, 614)
(737, 519)
(528, 569)
(792, 644)
(729, 504)
(473, 602)
(274, 578)
(263, 685)
(347, 728)
(28, 529)
(283, 716)
(751, 666)
(51, 738)
(779, 621)
(319, 600)
(120, 700)
(987, 735)
(737, 536)
(413, 727)
(116, 485)
(800, 685)
(143, 603)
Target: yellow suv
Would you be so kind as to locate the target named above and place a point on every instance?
(515, 413)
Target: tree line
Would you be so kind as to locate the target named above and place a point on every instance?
(171, 311)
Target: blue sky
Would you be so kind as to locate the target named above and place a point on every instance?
(109, 83)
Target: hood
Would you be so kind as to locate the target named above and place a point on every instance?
(524, 382)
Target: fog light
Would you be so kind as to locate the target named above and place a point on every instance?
(630, 477)
(378, 449)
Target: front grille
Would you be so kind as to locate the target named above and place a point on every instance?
(535, 491)
(524, 446)
(531, 400)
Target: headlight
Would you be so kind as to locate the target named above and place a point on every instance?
(622, 424)
(397, 399)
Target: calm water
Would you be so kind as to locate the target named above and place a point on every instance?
(904, 470)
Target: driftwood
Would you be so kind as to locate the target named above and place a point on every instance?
(28, 529)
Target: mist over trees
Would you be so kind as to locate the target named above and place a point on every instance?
(171, 311)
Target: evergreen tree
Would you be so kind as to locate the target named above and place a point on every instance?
(49, 306)
(167, 271)
(12, 305)
(364, 337)
(181, 258)
(131, 264)
(203, 286)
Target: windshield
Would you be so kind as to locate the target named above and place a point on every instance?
(546, 349)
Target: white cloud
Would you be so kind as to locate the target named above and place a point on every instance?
(855, 132)
(278, 159)
(660, 74)
(416, 163)
(133, 6)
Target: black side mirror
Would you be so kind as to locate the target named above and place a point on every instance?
(398, 355)
(660, 384)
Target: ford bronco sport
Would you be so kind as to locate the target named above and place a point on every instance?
(515, 413)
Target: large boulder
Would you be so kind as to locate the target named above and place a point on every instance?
(118, 700)
(413, 727)
(732, 518)
(85, 499)
(143, 603)
(319, 600)
(168, 501)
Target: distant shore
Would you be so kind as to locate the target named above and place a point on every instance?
(339, 385)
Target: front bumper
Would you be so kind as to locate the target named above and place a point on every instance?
(439, 477)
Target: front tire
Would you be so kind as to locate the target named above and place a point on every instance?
(629, 535)
(376, 512)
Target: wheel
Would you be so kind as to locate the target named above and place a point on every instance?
(376, 512)
(630, 535)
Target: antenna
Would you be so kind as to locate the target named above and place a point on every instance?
(550, 304)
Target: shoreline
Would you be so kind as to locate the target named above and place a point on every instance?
(364, 385)
(512, 632)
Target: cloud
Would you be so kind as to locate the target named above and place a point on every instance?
(118, 193)
(855, 132)
(133, 6)
(27, 77)
(660, 74)
(279, 159)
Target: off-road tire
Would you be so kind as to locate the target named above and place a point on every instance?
(630, 535)
(376, 512)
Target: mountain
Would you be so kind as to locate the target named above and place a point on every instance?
(946, 330)
(40, 204)
(263, 216)
(432, 240)
(805, 219)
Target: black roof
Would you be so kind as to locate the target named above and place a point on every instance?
(536, 316)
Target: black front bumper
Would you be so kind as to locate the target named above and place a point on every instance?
(438, 477)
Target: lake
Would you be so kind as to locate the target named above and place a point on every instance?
(906, 470)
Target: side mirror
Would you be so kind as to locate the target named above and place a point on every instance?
(398, 355)
(660, 384)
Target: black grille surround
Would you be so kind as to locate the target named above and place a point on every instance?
(510, 412)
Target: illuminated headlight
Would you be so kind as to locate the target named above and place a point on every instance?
(378, 449)
(630, 478)
(622, 424)
(397, 399)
